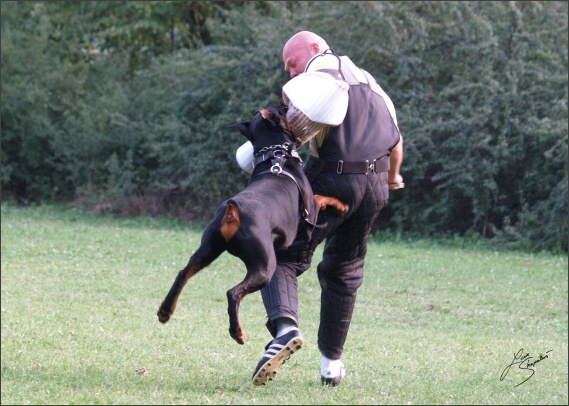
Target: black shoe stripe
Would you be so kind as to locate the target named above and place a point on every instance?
(268, 370)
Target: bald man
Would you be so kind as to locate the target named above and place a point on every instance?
(357, 162)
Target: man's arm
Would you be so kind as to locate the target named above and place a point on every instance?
(394, 179)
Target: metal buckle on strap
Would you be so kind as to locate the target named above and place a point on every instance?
(295, 155)
(340, 167)
(370, 167)
(278, 162)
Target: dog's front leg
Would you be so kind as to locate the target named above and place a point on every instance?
(327, 201)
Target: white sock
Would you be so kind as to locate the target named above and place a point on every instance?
(330, 368)
(284, 326)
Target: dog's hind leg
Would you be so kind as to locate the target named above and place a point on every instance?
(212, 246)
(260, 260)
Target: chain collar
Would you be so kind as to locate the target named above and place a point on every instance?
(284, 146)
(278, 152)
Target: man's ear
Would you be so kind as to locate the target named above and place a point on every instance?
(243, 129)
(316, 48)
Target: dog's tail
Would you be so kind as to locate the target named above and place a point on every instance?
(230, 222)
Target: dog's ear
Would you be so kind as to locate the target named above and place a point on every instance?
(244, 129)
(266, 114)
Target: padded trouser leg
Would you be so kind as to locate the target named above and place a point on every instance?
(338, 300)
(341, 271)
(280, 297)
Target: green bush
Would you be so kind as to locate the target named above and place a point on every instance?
(102, 106)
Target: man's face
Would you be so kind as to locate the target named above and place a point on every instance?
(296, 56)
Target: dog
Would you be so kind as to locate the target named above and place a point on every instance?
(276, 204)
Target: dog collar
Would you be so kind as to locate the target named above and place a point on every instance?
(275, 151)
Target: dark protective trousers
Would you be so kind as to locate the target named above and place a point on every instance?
(341, 270)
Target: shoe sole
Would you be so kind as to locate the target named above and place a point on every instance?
(269, 369)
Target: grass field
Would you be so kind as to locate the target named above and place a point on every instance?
(434, 323)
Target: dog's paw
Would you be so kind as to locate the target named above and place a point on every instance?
(163, 315)
(238, 336)
(337, 206)
(239, 340)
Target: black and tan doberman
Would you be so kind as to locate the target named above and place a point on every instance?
(264, 217)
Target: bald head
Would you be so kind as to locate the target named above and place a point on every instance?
(299, 49)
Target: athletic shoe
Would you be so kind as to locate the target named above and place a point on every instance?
(328, 379)
(277, 351)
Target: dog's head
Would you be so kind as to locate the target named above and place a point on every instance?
(268, 126)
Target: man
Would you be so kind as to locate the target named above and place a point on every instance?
(357, 162)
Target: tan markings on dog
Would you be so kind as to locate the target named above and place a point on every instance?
(325, 201)
(230, 223)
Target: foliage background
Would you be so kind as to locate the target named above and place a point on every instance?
(124, 106)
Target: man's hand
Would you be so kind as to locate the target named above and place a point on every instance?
(395, 181)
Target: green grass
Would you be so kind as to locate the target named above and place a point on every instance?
(434, 323)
